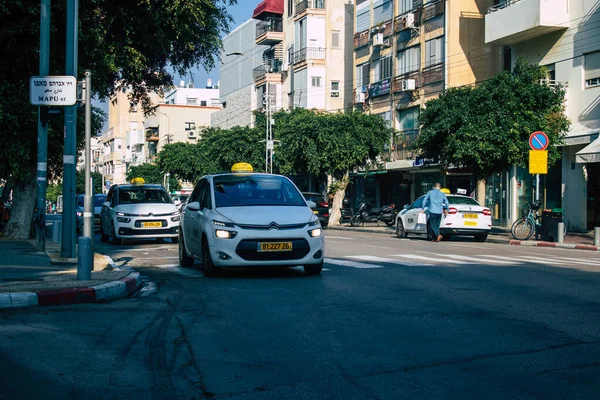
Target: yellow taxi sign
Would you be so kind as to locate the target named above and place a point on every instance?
(445, 191)
(241, 167)
(138, 180)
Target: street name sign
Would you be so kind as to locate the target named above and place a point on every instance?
(538, 141)
(53, 90)
(538, 162)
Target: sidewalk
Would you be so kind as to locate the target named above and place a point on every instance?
(31, 278)
(578, 241)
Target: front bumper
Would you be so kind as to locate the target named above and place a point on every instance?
(242, 250)
(464, 231)
(135, 228)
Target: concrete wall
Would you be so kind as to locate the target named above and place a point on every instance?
(172, 120)
(180, 95)
(238, 111)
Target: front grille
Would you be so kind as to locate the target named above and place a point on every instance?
(247, 249)
(144, 232)
(271, 226)
(138, 224)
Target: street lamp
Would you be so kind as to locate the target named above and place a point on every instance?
(269, 142)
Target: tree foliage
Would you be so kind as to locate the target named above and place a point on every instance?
(151, 173)
(487, 127)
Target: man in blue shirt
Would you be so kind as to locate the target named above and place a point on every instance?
(437, 203)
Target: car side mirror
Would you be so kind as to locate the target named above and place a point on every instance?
(406, 206)
(194, 206)
(311, 204)
(177, 203)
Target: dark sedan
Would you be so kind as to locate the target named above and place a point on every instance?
(322, 208)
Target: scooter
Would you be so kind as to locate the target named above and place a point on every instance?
(386, 214)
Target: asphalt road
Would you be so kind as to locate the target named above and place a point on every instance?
(388, 319)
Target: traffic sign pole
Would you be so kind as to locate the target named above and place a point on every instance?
(538, 141)
(42, 150)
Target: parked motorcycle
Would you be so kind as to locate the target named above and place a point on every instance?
(386, 214)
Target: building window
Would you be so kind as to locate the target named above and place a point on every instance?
(362, 75)
(191, 101)
(132, 107)
(363, 16)
(335, 39)
(406, 6)
(409, 119)
(203, 103)
(506, 58)
(551, 72)
(409, 60)
(387, 117)
(190, 126)
(434, 51)
(382, 68)
(290, 7)
(382, 11)
(316, 81)
(592, 69)
(335, 88)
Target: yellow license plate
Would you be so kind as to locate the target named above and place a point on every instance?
(470, 223)
(472, 216)
(275, 246)
(315, 212)
(151, 224)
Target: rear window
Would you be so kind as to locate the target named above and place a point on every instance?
(458, 200)
(255, 190)
(315, 197)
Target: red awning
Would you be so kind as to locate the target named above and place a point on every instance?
(268, 6)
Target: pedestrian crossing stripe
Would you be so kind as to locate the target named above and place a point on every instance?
(351, 264)
(389, 261)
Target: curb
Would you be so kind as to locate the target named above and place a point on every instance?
(510, 242)
(114, 290)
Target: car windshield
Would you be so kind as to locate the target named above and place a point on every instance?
(143, 195)
(459, 200)
(98, 200)
(255, 190)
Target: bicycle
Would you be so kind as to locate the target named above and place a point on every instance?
(524, 228)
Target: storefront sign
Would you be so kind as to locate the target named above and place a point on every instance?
(380, 88)
(538, 162)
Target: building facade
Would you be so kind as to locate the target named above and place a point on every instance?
(562, 36)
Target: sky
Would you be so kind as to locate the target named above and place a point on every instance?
(240, 13)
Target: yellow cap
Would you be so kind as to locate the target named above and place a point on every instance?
(446, 191)
(138, 180)
(242, 167)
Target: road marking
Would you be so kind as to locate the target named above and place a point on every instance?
(388, 260)
(555, 261)
(432, 259)
(472, 260)
(533, 260)
(594, 262)
(154, 258)
(351, 264)
(378, 247)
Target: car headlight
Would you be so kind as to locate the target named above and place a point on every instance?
(175, 219)
(223, 224)
(121, 214)
(225, 234)
(314, 222)
(79, 214)
(315, 232)
(123, 219)
(175, 212)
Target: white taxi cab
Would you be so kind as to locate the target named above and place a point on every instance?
(138, 211)
(464, 217)
(245, 219)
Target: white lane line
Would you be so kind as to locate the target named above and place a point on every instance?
(472, 260)
(378, 247)
(430, 259)
(389, 261)
(556, 261)
(474, 246)
(351, 264)
(533, 260)
(594, 262)
(338, 237)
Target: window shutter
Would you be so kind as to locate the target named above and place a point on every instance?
(592, 65)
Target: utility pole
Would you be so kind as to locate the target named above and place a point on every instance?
(85, 254)
(42, 150)
(67, 249)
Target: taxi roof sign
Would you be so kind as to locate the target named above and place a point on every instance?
(445, 191)
(138, 180)
(242, 167)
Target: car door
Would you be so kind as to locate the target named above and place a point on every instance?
(412, 215)
(191, 221)
(105, 212)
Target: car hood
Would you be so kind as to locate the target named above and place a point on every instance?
(145, 209)
(97, 209)
(264, 215)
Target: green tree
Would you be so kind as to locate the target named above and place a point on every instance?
(54, 190)
(487, 127)
(116, 43)
(80, 182)
(329, 144)
(151, 173)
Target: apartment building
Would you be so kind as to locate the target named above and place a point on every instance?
(561, 35)
(406, 52)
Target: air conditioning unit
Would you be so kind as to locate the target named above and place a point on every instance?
(285, 66)
(408, 21)
(360, 97)
(191, 134)
(378, 40)
(408, 84)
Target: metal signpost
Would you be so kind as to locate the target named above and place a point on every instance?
(538, 158)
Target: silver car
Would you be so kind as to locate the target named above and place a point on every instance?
(250, 219)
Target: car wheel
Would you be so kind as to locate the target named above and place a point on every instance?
(103, 236)
(313, 269)
(184, 259)
(481, 238)
(209, 269)
(355, 221)
(113, 236)
(389, 223)
(400, 232)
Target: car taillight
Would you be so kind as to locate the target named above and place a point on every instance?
(323, 204)
(487, 211)
(452, 210)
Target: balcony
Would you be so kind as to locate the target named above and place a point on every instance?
(361, 39)
(273, 76)
(432, 74)
(398, 84)
(269, 32)
(152, 135)
(304, 5)
(309, 53)
(515, 21)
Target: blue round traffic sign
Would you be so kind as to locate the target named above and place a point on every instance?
(538, 141)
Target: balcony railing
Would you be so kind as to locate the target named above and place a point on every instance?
(273, 25)
(260, 72)
(304, 4)
(398, 26)
(403, 145)
(433, 74)
(502, 5)
(310, 53)
(399, 79)
(361, 39)
(432, 10)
